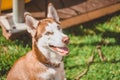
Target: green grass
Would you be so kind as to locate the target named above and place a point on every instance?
(83, 40)
(9, 52)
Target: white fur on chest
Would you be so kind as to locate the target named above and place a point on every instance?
(54, 73)
(48, 75)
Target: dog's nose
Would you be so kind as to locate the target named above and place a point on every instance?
(65, 40)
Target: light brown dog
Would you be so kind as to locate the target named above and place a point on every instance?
(45, 60)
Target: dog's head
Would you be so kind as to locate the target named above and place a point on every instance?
(47, 33)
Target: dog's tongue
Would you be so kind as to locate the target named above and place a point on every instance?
(63, 50)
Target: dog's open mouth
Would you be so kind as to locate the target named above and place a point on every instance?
(62, 50)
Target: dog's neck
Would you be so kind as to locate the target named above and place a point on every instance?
(42, 58)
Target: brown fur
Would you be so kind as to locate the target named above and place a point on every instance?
(41, 27)
(26, 68)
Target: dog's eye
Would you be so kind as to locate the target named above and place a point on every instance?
(49, 33)
(58, 27)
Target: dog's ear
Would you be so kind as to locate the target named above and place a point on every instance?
(52, 13)
(32, 24)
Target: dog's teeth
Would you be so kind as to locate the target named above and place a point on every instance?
(60, 50)
(63, 50)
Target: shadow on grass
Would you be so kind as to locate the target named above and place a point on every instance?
(114, 35)
(24, 40)
(75, 66)
(95, 44)
(89, 28)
